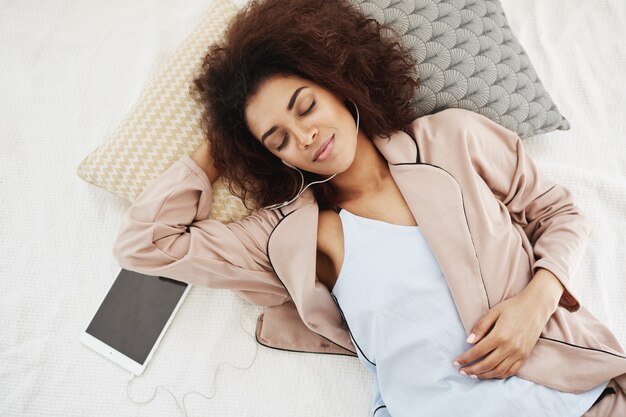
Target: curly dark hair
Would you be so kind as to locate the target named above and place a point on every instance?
(329, 42)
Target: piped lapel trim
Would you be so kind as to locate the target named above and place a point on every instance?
(292, 248)
(436, 201)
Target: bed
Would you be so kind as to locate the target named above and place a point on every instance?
(71, 70)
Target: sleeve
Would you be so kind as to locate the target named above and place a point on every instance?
(546, 211)
(166, 232)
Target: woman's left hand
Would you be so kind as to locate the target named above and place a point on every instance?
(517, 323)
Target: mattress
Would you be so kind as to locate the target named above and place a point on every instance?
(71, 70)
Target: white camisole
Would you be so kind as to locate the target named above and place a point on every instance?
(407, 331)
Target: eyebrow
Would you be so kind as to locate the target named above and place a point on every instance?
(292, 101)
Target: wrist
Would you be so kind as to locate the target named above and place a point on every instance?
(203, 158)
(546, 288)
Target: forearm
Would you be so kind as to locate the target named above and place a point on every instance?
(546, 289)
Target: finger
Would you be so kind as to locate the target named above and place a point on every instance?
(477, 351)
(502, 351)
(483, 326)
(500, 370)
(515, 367)
(487, 364)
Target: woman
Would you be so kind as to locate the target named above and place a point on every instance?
(311, 92)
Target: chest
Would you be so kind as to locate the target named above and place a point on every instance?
(388, 206)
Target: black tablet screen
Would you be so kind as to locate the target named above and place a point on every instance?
(135, 311)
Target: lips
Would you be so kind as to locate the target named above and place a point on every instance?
(321, 148)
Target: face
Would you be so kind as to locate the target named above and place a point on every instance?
(294, 117)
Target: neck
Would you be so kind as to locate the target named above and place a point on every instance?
(366, 175)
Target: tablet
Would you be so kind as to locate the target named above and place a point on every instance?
(133, 317)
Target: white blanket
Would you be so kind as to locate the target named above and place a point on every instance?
(69, 72)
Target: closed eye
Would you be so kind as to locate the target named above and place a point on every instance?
(282, 145)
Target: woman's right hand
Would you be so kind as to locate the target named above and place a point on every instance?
(202, 156)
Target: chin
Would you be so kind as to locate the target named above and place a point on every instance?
(343, 165)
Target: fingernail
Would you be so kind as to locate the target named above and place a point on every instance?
(462, 373)
(455, 363)
(473, 376)
(471, 338)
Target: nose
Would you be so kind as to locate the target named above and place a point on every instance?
(305, 137)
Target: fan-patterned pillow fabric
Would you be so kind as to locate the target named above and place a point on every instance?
(468, 57)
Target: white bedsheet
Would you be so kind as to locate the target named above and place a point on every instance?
(69, 72)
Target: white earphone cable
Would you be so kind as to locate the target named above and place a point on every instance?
(183, 408)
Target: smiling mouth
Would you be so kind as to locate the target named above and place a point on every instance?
(323, 148)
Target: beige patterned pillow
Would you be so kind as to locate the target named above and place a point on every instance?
(163, 126)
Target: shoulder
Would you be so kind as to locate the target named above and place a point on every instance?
(447, 129)
(446, 120)
(258, 223)
(469, 123)
(438, 134)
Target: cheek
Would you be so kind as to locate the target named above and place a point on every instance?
(345, 152)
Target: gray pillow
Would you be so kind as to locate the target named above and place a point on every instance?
(469, 58)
